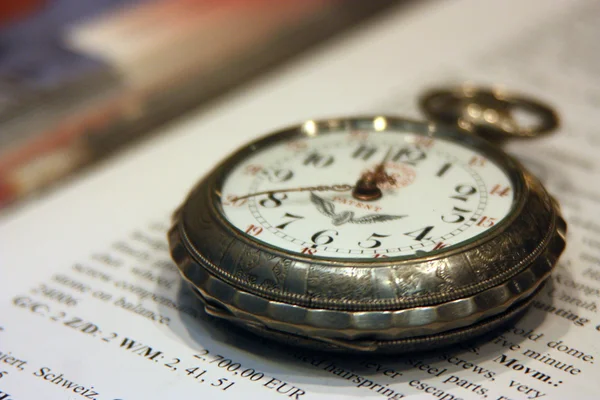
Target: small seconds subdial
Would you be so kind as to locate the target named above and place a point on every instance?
(310, 196)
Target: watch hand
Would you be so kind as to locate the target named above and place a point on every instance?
(367, 186)
(320, 188)
(380, 168)
(381, 176)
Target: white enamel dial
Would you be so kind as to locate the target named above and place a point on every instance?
(443, 193)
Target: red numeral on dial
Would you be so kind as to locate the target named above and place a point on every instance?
(309, 250)
(440, 245)
(252, 169)
(500, 190)
(254, 230)
(477, 161)
(487, 222)
(233, 201)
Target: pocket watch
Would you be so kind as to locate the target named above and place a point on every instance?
(375, 234)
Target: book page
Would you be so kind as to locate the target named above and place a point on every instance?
(93, 307)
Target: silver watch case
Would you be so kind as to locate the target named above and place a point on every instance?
(387, 305)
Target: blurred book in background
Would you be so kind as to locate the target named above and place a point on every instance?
(79, 79)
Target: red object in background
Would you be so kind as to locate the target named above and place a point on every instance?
(14, 9)
(107, 79)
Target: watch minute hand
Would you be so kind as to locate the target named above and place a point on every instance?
(320, 188)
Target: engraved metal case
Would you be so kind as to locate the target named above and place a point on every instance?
(387, 305)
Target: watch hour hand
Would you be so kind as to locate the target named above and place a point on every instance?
(368, 186)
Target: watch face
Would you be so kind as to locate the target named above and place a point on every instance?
(305, 193)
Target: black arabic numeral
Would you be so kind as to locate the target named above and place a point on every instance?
(456, 216)
(409, 155)
(288, 215)
(420, 234)
(321, 238)
(365, 152)
(443, 170)
(319, 160)
(464, 191)
(374, 242)
(273, 200)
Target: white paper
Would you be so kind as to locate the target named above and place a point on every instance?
(90, 301)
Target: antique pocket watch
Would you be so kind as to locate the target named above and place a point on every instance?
(375, 234)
